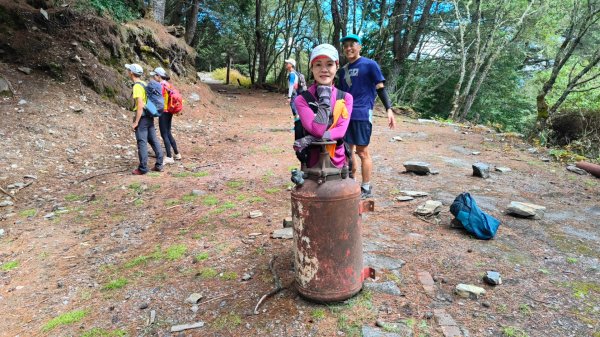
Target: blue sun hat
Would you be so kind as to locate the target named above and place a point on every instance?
(351, 37)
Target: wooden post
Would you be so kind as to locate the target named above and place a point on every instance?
(228, 68)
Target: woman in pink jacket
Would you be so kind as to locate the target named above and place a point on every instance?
(332, 116)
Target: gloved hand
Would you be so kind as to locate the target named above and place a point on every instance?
(324, 99)
(302, 143)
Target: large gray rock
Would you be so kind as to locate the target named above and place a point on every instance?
(430, 207)
(389, 287)
(5, 88)
(419, 167)
(526, 210)
(283, 233)
(369, 331)
(414, 193)
(481, 170)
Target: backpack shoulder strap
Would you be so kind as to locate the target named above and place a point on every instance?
(340, 94)
(347, 74)
(310, 100)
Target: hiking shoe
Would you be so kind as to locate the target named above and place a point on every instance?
(157, 169)
(178, 156)
(137, 172)
(366, 193)
(169, 160)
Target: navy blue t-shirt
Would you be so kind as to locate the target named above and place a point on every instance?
(365, 74)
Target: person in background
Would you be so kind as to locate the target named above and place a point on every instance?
(362, 78)
(290, 67)
(142, 125)
(165, 119)
(332, 116)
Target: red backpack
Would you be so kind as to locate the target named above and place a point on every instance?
(175, 102)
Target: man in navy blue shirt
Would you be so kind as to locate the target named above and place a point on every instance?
(362, 78)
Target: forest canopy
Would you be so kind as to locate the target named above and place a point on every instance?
(527, 66)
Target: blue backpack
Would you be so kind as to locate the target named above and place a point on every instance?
(155, 101)
(474, 220)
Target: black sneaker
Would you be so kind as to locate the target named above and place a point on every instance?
(366, 193)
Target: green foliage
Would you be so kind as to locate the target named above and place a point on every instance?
(228, 322)
(210, 200)
(175, 252)
(234, 77)
(230, 275)
(202, 256)
(206, 273)
(117, 9)
(318, 314)
(65, 319)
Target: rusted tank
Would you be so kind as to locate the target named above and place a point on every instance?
(589, 167)
(328, 255)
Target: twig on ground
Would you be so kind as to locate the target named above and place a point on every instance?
(168, 208)
(102, 174)
(278, 286)
(10, 195)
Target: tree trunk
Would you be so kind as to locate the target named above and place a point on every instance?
(192, 22)
(158, 10)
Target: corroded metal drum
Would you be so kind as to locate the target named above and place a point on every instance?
(327, 238)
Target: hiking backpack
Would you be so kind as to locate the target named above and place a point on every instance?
(154, 99)
(300, 132)
(301, 82)
(175, 102)
(474, 220)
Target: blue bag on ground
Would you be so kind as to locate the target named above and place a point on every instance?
(474, 220)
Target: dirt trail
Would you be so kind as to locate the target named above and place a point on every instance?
(119, 247)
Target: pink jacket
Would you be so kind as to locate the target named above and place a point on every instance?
(337, 132)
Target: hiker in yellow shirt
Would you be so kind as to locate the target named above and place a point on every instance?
(143, 125)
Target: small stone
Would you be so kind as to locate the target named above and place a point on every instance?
(195, 308)
(194, 298)
(397, 139)
(255, 214)
(143, 306)
(475, 153)
(255, 234)
(503, 169)
(430, 207)
(288, 222)
(283, 233)
(6, 203)
(577, 170)
(198, 192)
(469, 291)
(527, 210)
(486, 304)
(24, 70)
(414, 193)
(492, 278)
(246, 277)
(404, 198)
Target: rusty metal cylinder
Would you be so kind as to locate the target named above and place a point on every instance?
(328, 256)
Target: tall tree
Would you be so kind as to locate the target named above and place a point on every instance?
(339, 14)
(191, 21)
(583, 21)
(158, 10)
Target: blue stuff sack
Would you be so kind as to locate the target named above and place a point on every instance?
(474, 220)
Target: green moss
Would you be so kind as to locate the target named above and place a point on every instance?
(65, 319)
(235, 184)
(171, 202)
(511, 331)
(228, 322)
(200, 174)
(116, 284)
(272, 190)
(143, 259)
(9, 265)
(318, 314)
(28, 213)
(175, 252)
(202, 256)
(189, 198)
(207, 273)
(210, 200)
(72, 197)
(230, 275)
(256, 199)
(99, 332)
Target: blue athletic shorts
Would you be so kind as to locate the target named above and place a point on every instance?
(358, 133)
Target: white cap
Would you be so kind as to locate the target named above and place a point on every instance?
(135, 68)
(159, 71)
(324, 50)
(291, 61)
